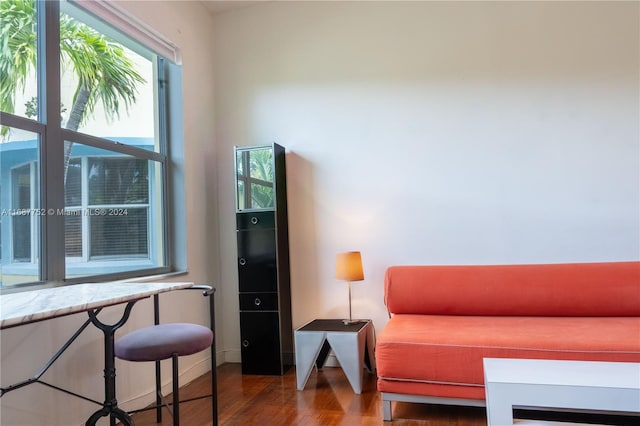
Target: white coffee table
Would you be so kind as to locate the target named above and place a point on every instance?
(612, 387)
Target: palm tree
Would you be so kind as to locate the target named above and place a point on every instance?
(104, 73)
(261, 166)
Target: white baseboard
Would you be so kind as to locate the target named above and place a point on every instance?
(232, 356)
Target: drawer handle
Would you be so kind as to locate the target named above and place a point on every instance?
(257, 302)
(254, 220)
(242, 261)
(245, 343)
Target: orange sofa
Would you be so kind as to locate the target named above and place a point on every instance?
(445, 319)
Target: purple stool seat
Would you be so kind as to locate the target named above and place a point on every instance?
(163, 341)
(158, 342)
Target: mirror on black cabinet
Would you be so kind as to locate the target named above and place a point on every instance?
(254, 178)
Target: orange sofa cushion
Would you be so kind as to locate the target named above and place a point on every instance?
(587, 289)
(416, 352)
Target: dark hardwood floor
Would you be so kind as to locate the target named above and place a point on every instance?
(326, 400)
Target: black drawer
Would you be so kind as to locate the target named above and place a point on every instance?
(260, 343)
(258, 301)
(257, 270)
(255, 220)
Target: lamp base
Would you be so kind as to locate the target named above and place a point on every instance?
(350, 322)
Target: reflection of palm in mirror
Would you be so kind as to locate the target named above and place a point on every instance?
(262, 164)
(262, 169)
(254, 169)
(262, 197)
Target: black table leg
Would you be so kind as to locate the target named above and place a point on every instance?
(110, 405)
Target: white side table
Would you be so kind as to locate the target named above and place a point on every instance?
(352, 344)
(584, 385)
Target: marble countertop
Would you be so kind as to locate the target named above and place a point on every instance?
(37, 305)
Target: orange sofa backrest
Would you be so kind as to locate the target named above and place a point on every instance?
(574, 289)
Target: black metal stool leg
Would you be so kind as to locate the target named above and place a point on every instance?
(214, 386)
(176, 395)
(156, 321)
(158, 394)
(214, 378)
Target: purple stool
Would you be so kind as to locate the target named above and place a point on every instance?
(164, 341)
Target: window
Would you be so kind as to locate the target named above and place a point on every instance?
(23, 223)
(85, 190)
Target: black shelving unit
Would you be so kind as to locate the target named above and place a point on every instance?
(266, 330)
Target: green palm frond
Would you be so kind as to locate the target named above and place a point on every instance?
(17, 49)
(101, 66)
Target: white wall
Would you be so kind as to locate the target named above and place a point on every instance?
(418, 133)
(432, 133)
(25, 349)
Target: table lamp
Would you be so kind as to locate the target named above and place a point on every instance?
(349, 268)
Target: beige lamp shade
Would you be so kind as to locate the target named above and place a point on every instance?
(349, 266)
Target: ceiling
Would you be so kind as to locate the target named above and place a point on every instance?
(217, 6)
